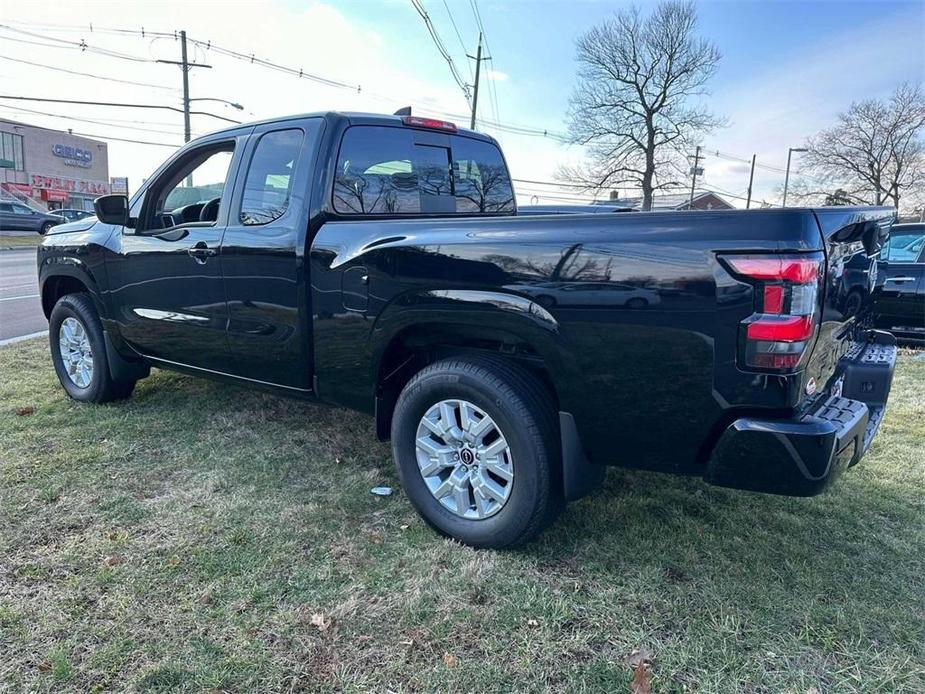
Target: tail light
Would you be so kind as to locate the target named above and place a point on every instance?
(787, 294)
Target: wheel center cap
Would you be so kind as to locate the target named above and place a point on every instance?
(466, 456)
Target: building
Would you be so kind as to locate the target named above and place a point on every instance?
(703, 200)
(51, 169)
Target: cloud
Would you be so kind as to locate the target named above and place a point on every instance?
(496, 75)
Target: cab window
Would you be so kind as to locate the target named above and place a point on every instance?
(383, 170)
(268, 187)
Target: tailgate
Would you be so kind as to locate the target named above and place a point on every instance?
(846, 233)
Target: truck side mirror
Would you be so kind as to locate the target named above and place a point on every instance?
(112, 209)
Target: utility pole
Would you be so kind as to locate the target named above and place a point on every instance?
(790, 152)
(751, 177)
(475, 97)
(185, 67)
(690, 205)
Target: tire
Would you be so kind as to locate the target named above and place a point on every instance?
(522, 411)
(636, 303)
(546, 301)
(854, 303)
(45, 228)
(77, 313)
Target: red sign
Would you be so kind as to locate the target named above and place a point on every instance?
(23, 188)
(50, 195)
(70, 185)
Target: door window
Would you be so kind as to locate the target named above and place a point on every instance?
(269, 178)
(904, 247)
(191, 191)
(21, 209)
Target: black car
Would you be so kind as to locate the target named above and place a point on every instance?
(898, 300)
(73, 215)
(380, 263)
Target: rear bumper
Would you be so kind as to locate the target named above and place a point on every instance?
(801, 457)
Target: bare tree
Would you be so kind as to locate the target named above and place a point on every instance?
(635, 105)
(874, 154)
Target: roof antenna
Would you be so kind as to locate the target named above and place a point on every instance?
(406, 111)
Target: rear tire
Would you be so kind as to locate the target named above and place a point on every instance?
(521, 412)
(46, 227)
(854, 303)
(78, 351)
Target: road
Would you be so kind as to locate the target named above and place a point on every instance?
(20, 308)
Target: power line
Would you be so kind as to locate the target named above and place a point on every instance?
(116, 104)
(462, 44)
(123, 139)
(106, 122)
(253, 60)
(86, 74)
(77, 45)
(441, 48)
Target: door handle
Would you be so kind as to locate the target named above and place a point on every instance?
(899, 279)
(201, 251)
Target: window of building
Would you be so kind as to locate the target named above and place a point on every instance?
(269, 178)
(11, 150)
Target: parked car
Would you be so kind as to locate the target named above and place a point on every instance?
(14, 216)
(571, 209)
(587, 293)
(898, 301)
(378, 263)
(71, 215)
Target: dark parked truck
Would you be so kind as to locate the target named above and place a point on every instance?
(378, 263)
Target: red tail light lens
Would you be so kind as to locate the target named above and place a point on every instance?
(776, 335)
(431, 123)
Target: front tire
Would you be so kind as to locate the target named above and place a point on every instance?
(46, 227)
(78, 351)
(476, 444)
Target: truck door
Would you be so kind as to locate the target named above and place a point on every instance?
(263, 255)
(899, 299)
(167, 294)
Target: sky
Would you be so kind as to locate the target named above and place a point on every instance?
(788, 69)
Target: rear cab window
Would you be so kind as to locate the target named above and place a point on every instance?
(384, 170)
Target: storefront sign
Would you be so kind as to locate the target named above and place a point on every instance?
(73, 156)
(21, 188)
(50, 195)
(70, 185)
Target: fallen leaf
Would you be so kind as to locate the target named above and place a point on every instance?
(113, 560)
(532, 622)
(404, 527)
(641, 662)
(376, 537)
(113, 535)
(319, 620)
(45, 666)
(173, 561)
(23, 411)
(205, 599)
(449, 660)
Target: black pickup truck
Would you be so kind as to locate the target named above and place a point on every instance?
(378, 263)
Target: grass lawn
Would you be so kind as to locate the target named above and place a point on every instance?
(26, 241)
(200, 537)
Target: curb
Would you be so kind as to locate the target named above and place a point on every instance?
(22, 338)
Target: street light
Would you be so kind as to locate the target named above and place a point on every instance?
(223, 101)
(790, 151)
